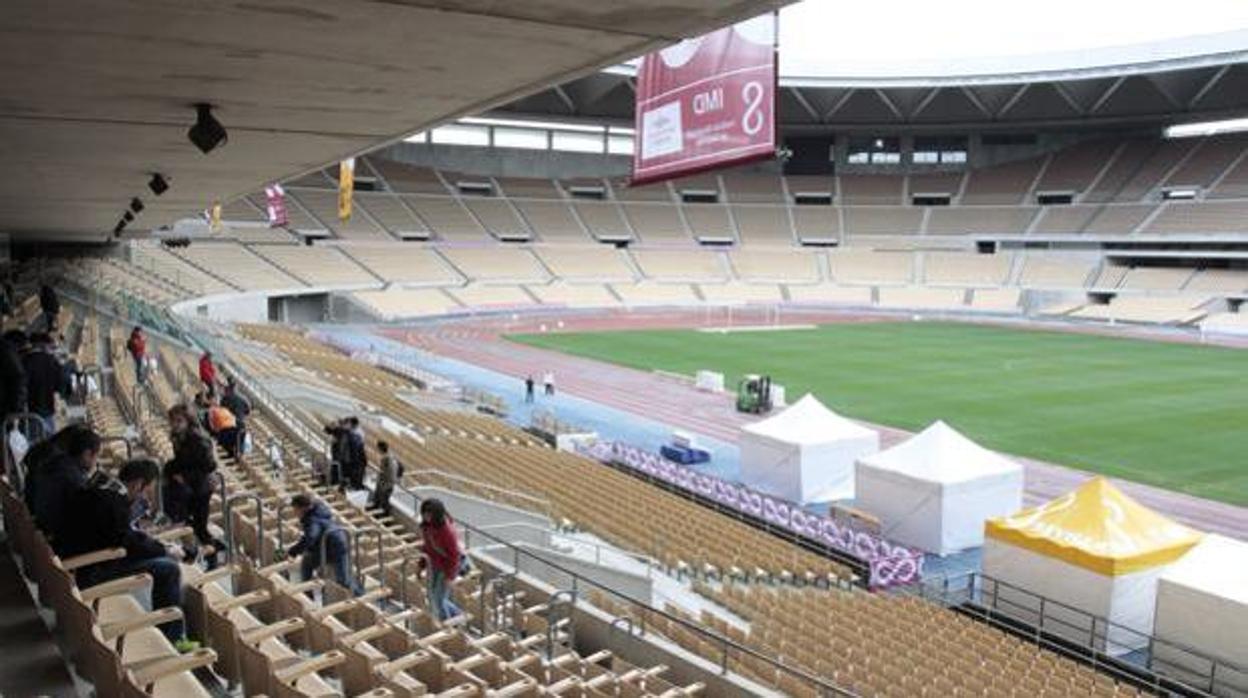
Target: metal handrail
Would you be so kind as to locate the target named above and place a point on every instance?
(1046, 612)
(378, 535)
(230, 542)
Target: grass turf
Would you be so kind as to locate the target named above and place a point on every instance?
(1170, 415)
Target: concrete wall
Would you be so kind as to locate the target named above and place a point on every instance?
(510, 162)
(630, 584)
(485, 514)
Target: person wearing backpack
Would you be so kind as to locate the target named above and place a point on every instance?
(391, 472)
(322, 533)
(103, 518)
(189, 472)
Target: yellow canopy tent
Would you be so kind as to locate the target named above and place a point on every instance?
(1096, 552)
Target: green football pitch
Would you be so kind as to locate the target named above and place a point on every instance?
(1171, 415)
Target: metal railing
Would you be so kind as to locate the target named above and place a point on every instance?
(1121, 651)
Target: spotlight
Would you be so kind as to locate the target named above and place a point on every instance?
(158, 184)
(207, 133)
(121, 225)
(128, 217)
(136, 205)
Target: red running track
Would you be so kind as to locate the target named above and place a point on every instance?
(478, 341)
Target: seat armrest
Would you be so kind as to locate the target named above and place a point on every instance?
(247, 600)
(254, 636)
(92, 558)
(163, 668)
(318, 663)
(115, 587)
(173, 534)
(125, 626)
(206, 578)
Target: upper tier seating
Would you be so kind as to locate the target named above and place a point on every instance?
(709, 221)
(408, 179)
(816, 222)
(1001, 184)
(237, 266)
(316, 266)
(936, 183)
(603, 219)
(527, 187)
(851, 266)
(984, 220)
(586, 263)
(1063, 219)
(324, 206)
(1147, 178)
(446, 217)
(497, 216)
(551, 220)
(403, 263)
(882, 220)
(1204, 217)
(764, 264)
(1121, 219)
(964, 269)
(1209, 159)
(753, 188)
(574, 295)
(680, 265)
(390, 211)
(496, 263)
(768, 225)
(177, 271)
(1074, 168)
(656, 222)
(884, 190)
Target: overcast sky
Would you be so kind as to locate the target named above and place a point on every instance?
(881, 37)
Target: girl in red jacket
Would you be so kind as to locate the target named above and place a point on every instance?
(442, 550)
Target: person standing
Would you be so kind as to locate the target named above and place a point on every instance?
(239, 406)
(137, 346)
(528, 388)
(50, 304)
(12, 374)
(208, 373)
(358, 453)
(321, 532)
(441, 546)
(390, 472)
(190, 489)
(46, 377)
(104, 518)
(548, 383)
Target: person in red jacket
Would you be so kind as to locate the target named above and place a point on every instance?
(137, 346)
(208, 373)
(441, 547)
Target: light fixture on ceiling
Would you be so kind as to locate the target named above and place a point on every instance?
(136, 205)
(207, 133)
(128, 217)
(158, 184)
(1207, 128)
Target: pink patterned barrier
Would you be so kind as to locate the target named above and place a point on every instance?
(890, 564)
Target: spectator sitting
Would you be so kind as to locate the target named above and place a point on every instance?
(51, 488)
(45, 378)
(321, 532)
(103, 518)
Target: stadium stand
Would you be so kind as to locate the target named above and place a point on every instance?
(764, 225)
(238, 267)
(1073, 169)
(574, 295)
(1118, 219)
(1219, 280)
(753, 188)
(496, 263)
(405, 263)
(827, 293)
(586, 263)
(1208, 217)
(1001, 300)
(680, 265)
(1156, 279)
(497, 216)
(921, 297)
(881, 190)
(551, 220)
(733, 293)
(603, 220)
(323, 206)
(979, 220)
(446, 217)
(1063, 220)
(1149, 310)
(881, 220)
(938, 183)
(652, 293)
(1001, 184)
(656, 223)
(396, 303)
(953, 268)
(709, 221)
(851, 266)
(316, 266)
(791, 266)
(491, 296)
(816, 222)
(392, 214)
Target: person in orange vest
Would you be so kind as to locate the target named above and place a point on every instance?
(208, 373)
(224, 427)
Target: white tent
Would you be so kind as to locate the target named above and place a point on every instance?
(935, 490)
(1202, 603)
(1096, 552)
(804, 454)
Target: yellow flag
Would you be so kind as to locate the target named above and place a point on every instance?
(214, 220)
(346, 186)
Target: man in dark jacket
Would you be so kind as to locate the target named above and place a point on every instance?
(320, 529)
(46, 377)
(103, 518)
(50, 304)
(357, 453)
(12, 374)
(189, 491)
(52, 487)
(239, 405)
